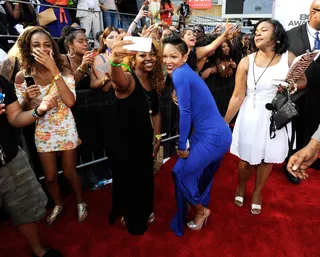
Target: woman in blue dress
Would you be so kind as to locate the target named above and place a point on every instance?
(210, 139)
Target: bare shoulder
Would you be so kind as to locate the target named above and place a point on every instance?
(19, 79)
(291, 57)
(244, 64)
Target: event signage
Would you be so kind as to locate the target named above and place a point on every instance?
(291, 13)
(200, 4)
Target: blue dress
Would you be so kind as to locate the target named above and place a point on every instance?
(210, 140)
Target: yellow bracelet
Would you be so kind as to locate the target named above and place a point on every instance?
(104, 80)
(56, 77)
(159, 137)
(81, 70)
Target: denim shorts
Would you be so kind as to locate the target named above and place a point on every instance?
(21, 195)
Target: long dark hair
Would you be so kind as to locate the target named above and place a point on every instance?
(165, 1)
(27, 60)
(70, 34)
(279, 35)
(219, 53)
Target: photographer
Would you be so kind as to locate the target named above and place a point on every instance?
(20, 193)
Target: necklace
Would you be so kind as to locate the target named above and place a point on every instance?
(254, 77)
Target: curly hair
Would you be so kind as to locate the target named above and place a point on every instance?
(279, 35)
(156, 77)
(27, 60)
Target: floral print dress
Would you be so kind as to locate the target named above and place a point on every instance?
(56, 131)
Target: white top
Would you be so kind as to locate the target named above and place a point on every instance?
(316, 134)
(3, 55)
(311, 36)
(91, 4)
(110, 4)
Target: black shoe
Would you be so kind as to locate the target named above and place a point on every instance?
(291, 178)
(50, 253)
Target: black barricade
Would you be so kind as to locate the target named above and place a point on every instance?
(91, 113)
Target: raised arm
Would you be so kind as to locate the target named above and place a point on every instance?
(67, 96)
(123, 81)
(240, 89)
(204, 51)
(139, 16)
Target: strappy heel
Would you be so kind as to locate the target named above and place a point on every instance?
(192, 226)
(82, 212)
(238, 199)
(150, 219)
(54, 214)
(255, 208)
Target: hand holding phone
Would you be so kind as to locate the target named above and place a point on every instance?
(32, 89)
(140, 44)
(29, 81)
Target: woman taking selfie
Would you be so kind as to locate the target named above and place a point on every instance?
(100, 77)
(78, 56)
(210, 139)
(56, 131)
(136, 126)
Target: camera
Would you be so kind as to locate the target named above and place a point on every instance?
(146, 8)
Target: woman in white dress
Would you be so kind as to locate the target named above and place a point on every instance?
(253, 90)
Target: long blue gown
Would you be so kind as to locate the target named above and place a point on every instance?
(210, 140)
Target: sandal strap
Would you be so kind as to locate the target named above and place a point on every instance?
(255, 206)
(239, 199)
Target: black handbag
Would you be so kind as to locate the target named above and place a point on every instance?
(284, 110)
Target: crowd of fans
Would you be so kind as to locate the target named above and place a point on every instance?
(52, 77)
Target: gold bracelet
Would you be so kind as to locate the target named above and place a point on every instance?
(103, 81)
(56, 77)
(159, 137)
(81, 70)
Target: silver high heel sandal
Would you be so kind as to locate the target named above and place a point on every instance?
(54, 214)
(82, 212)
(150, 220)
(192, 226)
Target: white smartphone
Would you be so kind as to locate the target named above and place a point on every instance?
(140, 44)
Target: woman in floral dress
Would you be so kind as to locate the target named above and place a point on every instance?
(56, 131)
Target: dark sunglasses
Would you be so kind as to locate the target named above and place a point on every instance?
(198, 30)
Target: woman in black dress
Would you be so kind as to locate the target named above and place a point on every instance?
(136, 126)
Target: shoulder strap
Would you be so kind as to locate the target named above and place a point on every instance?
(68, 59)
(104, 60)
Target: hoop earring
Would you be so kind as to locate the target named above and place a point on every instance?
(74, 54)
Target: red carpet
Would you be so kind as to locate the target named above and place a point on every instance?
(288, 226)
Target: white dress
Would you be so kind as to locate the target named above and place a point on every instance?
(251, 137)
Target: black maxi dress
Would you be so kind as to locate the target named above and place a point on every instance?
(131, 148)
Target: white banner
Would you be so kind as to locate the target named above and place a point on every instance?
(291, 13)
